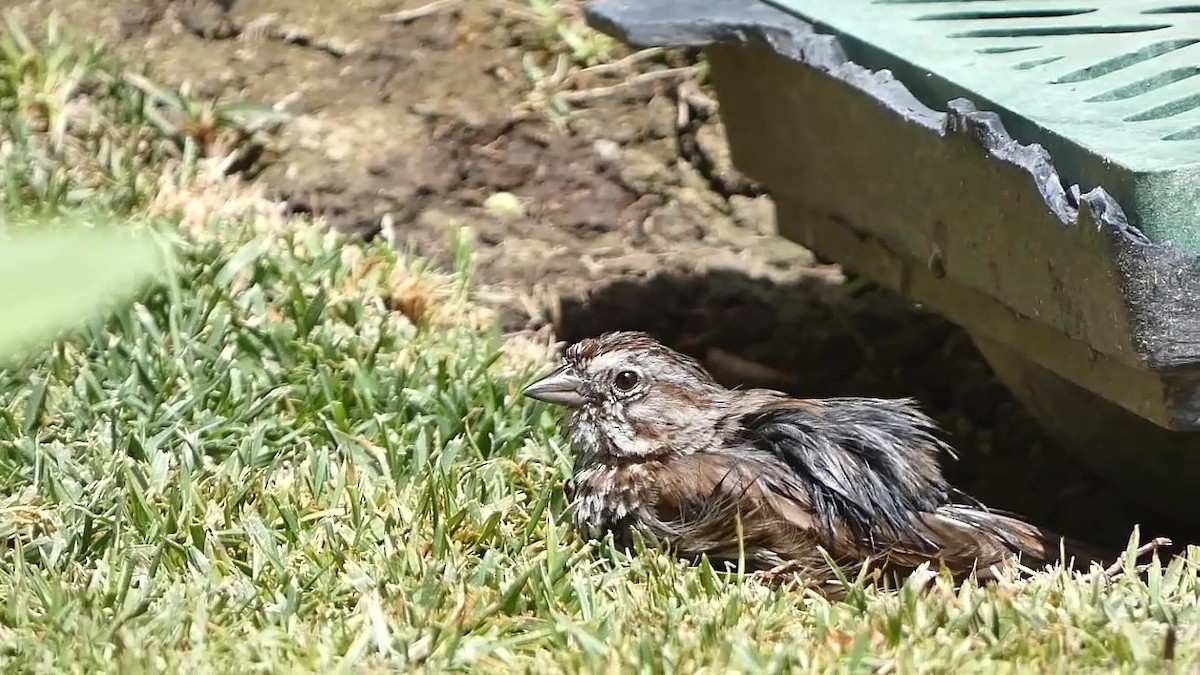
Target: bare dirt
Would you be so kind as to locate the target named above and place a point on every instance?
(630, 214)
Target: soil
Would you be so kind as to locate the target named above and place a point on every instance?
(628, 211)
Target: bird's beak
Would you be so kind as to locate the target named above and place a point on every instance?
(560, 387)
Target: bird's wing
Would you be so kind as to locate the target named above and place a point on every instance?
(867, 468)
(866, 472)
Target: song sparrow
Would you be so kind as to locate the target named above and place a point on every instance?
(663, 449)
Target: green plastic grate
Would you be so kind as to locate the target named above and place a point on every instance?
(1119, 78)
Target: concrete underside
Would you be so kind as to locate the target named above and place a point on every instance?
(1095, 327)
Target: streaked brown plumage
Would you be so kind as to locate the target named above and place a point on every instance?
(663, 449)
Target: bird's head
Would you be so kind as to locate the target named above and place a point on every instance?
(634, 394)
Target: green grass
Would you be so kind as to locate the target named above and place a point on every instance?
(305, 454)
(78, 130)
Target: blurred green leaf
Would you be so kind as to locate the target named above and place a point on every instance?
(55, 279)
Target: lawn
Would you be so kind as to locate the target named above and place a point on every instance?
(302, 453)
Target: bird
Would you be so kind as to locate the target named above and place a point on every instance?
(757, 480)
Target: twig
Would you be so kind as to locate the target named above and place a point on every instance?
(407, 16)
(1158, 542)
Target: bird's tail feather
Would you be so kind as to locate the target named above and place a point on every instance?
(1036, 546)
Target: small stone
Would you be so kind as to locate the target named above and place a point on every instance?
(608, 152)
(504, 204)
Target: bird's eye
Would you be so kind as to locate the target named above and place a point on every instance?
(626, 380)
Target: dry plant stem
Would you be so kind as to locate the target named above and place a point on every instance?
(683, 114)
(689, 92)
(407, 16)
(595, 93)
(1115, 570)
(644, 78)
(561, 76)
(620, 64)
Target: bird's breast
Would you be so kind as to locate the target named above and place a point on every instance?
(612, 498)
